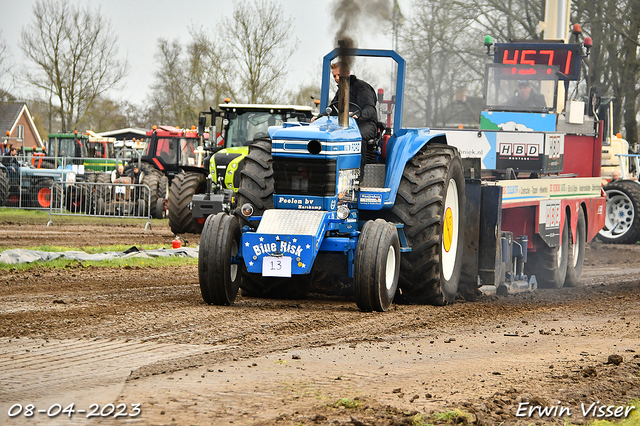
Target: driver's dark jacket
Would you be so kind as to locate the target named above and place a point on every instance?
(363, 95)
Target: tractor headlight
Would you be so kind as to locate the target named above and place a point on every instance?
(247, 210)
(343, 212)
(71, 177)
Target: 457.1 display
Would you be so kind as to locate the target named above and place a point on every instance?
(94, 410)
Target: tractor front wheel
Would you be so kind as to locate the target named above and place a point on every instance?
(376, 266)
(218, 267)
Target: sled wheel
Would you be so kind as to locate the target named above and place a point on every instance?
(376, 266)
(218, 271)
(576, 252)
(549, 264)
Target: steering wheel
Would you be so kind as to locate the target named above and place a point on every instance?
(358, 112)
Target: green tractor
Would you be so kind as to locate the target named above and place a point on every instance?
(194, 195)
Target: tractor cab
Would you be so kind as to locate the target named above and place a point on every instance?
(170, 149)
(243, 123)
(71, 146)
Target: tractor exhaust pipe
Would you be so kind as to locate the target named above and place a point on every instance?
(343, 98)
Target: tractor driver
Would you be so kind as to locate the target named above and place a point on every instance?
(362, 95)
(526, 98)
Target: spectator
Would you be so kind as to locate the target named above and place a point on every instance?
(11, 162)
(117, 173)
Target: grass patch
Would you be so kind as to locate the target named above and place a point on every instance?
(420, 420)
(41, 217)
(454, 416)
(132, 262)
(346, 403)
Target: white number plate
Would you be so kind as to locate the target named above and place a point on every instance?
(276, 266)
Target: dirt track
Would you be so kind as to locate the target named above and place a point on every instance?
(144, 336)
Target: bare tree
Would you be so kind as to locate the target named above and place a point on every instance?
(5, 75)
(440, 59)
(208, 72)
(614, 62)
(73, 54)
(259, 40)
(172, 88)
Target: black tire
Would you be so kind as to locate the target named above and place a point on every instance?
(622, 219)
(376, 266)
(183, 187)
(576, 252)
(4, 188)
(256, 178)
(432, 183)
(549, 264)
(151, 180)
(219, 277)
(48, 164)
(160, 211)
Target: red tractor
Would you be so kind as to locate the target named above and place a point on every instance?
(171, 157)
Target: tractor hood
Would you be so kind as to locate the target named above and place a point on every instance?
(325, 129)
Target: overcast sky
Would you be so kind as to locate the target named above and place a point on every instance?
(139, 24)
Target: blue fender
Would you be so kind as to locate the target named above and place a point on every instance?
(402, 146)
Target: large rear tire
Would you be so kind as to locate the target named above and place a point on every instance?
(151, 180)
(183, 187)
(622, 220)
(576, 252)
(549, 264)
(430, 203)
(376, 266)
(218, 273)
(256, 178)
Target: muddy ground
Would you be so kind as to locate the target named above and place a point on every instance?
(87, 335)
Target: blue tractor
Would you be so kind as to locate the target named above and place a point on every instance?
(310, 206)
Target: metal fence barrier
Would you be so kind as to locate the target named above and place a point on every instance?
(117, 199)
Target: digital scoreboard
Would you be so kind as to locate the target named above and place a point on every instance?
(566, 57)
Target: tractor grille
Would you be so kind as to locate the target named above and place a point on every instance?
(305, 176)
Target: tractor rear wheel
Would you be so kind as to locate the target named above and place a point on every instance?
(218, 270)
(151, 180)
(376, 266)
(256, 178)
(430, 203)
(183, 187)
(160, 211)
(4, 188)
(576, 252)
(622, 221)
(42, 195)
(549, 264)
